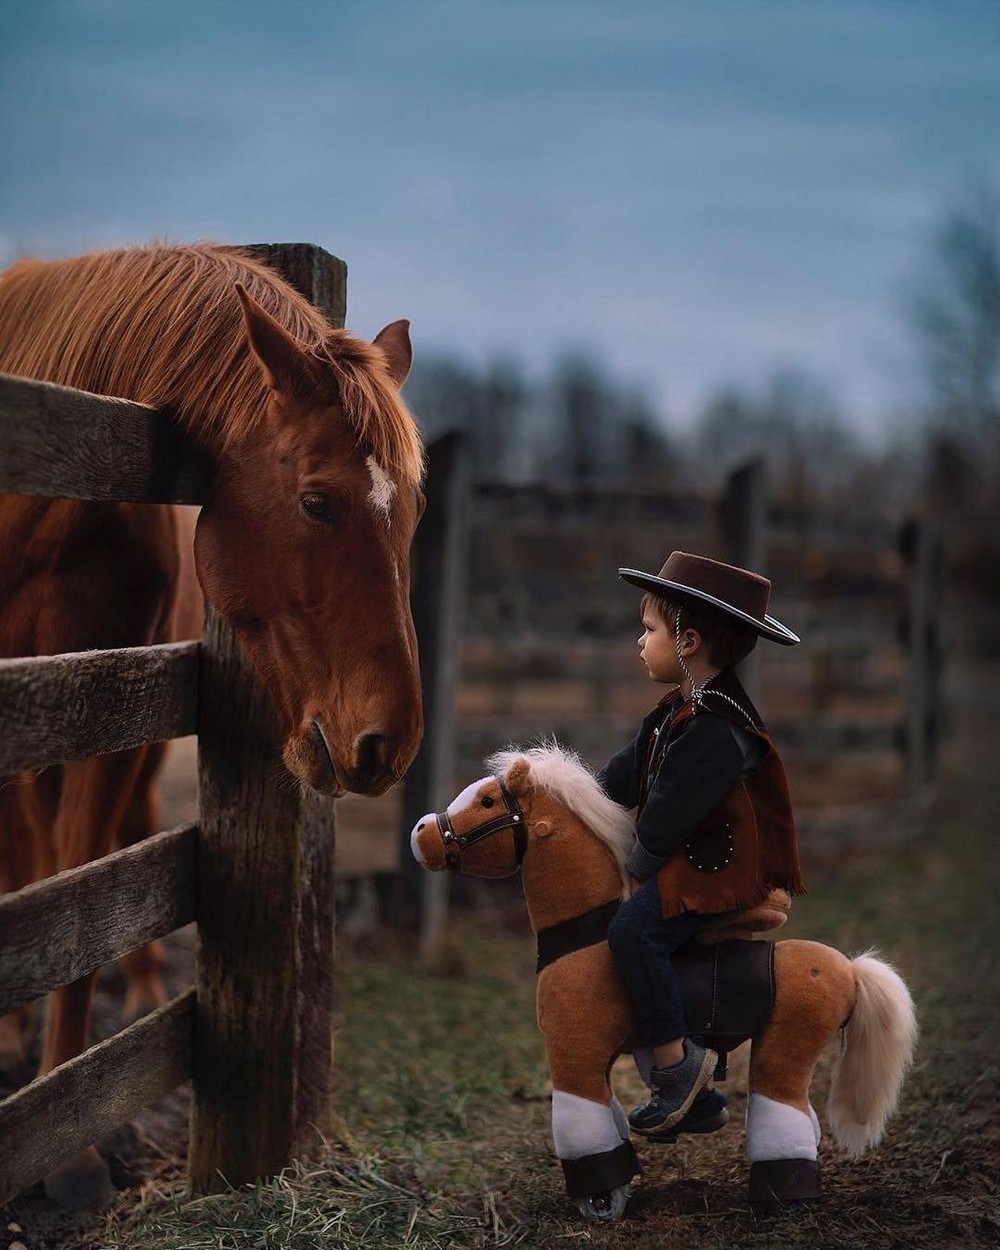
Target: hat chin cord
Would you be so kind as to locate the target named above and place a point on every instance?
(698, 692)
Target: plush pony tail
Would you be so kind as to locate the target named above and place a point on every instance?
(880, 1038)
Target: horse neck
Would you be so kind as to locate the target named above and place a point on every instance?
(567, 872)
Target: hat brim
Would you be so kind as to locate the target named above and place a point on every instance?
(768, 628)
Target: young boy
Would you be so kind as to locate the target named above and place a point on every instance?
(714, 823)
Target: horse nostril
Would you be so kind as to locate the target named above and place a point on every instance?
(373, 754)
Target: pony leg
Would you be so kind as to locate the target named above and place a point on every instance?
(589, 1128)
(591, 1138)
(814, 995)
(143, 967)
(94, 796)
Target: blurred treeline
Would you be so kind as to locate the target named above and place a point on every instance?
(939, 459)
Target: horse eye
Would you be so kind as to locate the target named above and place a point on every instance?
(318, 507)
(487, 801)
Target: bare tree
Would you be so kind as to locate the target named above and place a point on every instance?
(794, 423)
(956, 314)
(955, 317)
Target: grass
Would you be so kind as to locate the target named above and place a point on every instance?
(441, 1125)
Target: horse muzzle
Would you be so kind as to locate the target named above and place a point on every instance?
(427, 843)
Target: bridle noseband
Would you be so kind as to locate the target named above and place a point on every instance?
(455, 844)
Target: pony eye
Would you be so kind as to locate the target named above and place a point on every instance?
(487, 801)
(318, 507)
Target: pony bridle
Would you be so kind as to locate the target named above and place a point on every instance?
(455, 843)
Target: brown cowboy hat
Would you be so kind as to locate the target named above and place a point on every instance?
(704, 583)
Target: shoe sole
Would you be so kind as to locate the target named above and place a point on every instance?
(710, 1124)
(708, 1062)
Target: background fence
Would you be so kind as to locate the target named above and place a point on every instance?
(546, 644)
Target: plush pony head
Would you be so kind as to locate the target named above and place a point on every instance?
(487, 829)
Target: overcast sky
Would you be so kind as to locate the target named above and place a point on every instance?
(699, 192)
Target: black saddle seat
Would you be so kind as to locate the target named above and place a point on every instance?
(728, 990)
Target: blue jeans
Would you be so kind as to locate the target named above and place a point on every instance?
(642, 943)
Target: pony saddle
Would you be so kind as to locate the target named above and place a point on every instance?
(728, 991)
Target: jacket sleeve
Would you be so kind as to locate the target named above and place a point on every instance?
(619, 778)
(701, 764)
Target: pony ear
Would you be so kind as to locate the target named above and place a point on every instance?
(394, 342)
(518, 777)
(283, 362)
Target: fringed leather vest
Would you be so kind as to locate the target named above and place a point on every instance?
(745, 847)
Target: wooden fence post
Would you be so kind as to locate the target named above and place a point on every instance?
(440, 560)
(922, 550)
(743, 519)
(263, 1033)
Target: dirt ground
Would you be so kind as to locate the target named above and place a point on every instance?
(464, 1142)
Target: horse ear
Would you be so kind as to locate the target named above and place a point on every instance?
(394, 342)
(283, 362)
(518, 776)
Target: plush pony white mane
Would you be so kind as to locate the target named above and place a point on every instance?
(565, 776)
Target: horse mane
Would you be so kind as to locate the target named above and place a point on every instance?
(561, 773)
(162, 325)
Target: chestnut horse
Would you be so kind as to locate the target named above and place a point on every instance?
(543, 811)
(303, 546)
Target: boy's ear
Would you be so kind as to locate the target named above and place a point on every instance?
(518, 777)
(695, 638)
(541, 828)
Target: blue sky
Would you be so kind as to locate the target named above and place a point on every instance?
(698, 192)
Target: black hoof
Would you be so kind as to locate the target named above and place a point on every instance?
(776, 1184)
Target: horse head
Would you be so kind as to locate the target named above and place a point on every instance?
(485, 830)
(540, 808)
(304, 549)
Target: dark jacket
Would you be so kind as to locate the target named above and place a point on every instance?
(714, 818)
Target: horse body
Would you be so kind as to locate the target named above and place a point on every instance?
(303, 546)
(587, 1021)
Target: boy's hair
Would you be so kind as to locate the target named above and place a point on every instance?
(726, 641)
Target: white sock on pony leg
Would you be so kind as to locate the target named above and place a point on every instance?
(581, 1127)
(777, 1131)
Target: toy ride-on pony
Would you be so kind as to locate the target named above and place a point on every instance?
(541, 811)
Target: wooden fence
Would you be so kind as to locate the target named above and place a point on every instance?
(255, 872)
(548, 635)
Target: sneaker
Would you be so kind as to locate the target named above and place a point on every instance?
(674, 1089)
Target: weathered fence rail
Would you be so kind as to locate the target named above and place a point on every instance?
(60, 1114)
(57, 708)
(69, 444)
(59, 929)
(255, 872)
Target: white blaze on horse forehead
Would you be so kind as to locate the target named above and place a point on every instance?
(461, 801)
(383, 488)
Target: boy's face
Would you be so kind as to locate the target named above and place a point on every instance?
(658, 647)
